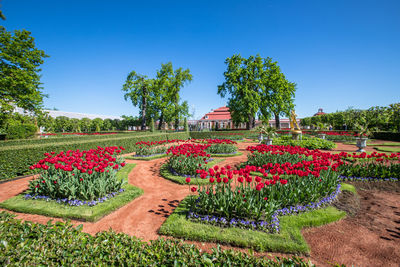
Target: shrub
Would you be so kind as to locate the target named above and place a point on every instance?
(221, 149)
(20, 131)
(52, 244)
(16, 159)
(310, 143)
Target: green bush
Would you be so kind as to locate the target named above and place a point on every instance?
(20, 131)
(15, 160)
(60, 244)
(221, 149)
(390, 136)
(310, 143)
(210, 134)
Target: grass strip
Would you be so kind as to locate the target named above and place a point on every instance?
(289, 240)
(165, 172)
(386, 144)
(387, 149)
(148, 158)
(348, 187)
(84, 213)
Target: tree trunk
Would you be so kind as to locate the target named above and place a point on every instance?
(277, 122)
(160, 121)
(144, 106)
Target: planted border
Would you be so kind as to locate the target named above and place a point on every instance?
(238, 153)
(85, 213)
(151, 157)
(15, 161)
(165, 172)
(289, 240)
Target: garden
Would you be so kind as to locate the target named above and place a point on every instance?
(210, 191)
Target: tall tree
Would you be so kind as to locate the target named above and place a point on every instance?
(243, 81)
(167, 86)
(278, 93)
(138, 89)
(19, 71)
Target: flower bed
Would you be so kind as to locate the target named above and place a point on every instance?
(221, 149)
(256, 199)
(79, 176)
(187, 158)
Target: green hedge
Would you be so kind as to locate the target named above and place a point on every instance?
(390, 136)
(210, 134)
(15, 160)
(25, 243)
(60, 139)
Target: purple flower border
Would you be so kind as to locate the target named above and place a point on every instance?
(272, 226)
(76, 202)
(367, 179)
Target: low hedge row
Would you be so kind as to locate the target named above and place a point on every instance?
(60, 244)
(15, 161)
(210, 134)
(390, 136)
(60, 139)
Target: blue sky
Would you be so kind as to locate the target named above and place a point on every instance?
(340, 53)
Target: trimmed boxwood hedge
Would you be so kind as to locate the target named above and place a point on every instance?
(210, 134)
(390, 136)
(65, 138)
(25, 243)
(15, 160)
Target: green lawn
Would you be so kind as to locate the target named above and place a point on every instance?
(85, 213)
(387, 149)
(164, 171)
(386, 144)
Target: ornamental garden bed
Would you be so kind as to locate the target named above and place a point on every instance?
(234, 210)
(83, 185)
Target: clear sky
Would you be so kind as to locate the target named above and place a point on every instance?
(341, 53)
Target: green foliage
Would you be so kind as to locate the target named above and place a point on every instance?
(17, 130)
(27, 243)
(391, 136)
(15, 159)
(19, 67)
(371, 168)
(381, 118)
(86, 213)
(152, 127)
(245, 201)
(255, 85)
(289, 240)
(166, 173)
(221, 149)
(219, 134)
(310, 143)
(145, 150)
(185, 125)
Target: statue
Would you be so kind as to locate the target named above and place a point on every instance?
(294, 126)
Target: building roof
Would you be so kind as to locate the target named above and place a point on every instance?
(320, 112)
(71, 115)
(221, 113)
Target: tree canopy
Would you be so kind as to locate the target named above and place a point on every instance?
(256, 86)
(158, 98)
(19, 71)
